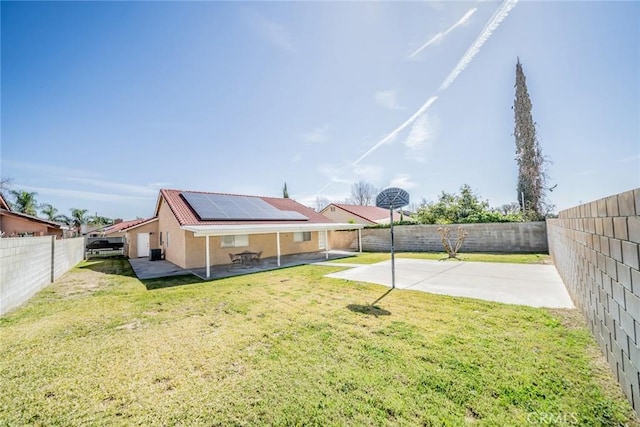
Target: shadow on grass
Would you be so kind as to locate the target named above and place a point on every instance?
(109, 265)
(170, 282)
(371, 309)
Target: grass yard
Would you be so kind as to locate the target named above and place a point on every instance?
(291, 347)
(373, 257)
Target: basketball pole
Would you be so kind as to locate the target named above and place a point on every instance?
(393, 260)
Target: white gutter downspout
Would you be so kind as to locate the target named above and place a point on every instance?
(278, 246)
(360, 239)
(208, 259)
(326, 244)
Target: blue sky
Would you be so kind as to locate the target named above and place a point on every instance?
(103, 103)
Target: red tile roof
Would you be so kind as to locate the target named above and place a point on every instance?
(51, 224)
(370, 213)
(186, 216)
(121, 226)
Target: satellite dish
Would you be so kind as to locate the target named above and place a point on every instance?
(392, 198)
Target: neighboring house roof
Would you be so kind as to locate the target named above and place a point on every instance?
(187, 216)
(120, 226)
(140, 223)
(369, 213)
(31, 218)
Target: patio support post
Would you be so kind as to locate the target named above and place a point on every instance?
(360, 239)
(278, 246)
(208, 259)
(326, 244)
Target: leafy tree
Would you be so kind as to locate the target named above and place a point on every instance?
(466, 207)
(532, 173)
(79, 217)
(363, 193)
(285, 192)
(99, 220)
(25, 202)
(51, 213)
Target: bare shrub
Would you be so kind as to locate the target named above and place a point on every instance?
(445, 238)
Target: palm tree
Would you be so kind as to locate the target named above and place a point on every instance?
(25, 202)
(79, 217)
(49, 211)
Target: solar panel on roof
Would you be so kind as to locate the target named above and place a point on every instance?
(216, 207)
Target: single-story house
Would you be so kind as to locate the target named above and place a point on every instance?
(117, 229)
(200, 229)
(17, 224)
(358, 214)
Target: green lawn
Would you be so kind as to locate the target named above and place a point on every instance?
(373, 257)
(291, 347)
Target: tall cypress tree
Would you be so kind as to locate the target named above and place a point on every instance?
(285, 191)
(531, 163)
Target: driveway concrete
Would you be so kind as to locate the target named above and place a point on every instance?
(535, 285)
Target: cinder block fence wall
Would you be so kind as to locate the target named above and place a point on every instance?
(594, 247)
(28, 264)
(493, 237)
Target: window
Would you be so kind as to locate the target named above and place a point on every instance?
(167, 239)
(302, 236)
(333, 208)
(234, 241)
(161, 238)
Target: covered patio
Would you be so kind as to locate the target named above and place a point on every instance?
(276, 229)
(146, 269)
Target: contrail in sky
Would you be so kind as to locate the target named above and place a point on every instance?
(441, 35)
(473, 50)
(399, 129)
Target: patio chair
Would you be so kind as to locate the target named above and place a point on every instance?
(235, 259)
(256, 257)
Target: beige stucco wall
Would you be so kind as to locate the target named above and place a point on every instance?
(340, 215)
(131, 237)
(174, 251)
(196, 248)
(12, 225)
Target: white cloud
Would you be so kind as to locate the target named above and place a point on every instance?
(317, 135)
(387, 99)
(273, 32)
(392, 135)
(421, 137)
(332, 172)
(368, 172)
(403, 181)
(83, 195)
(489, 28)
(159, 185)
(57, 171)
(116, 186)
(630, 158)
(441, 35)
(296, 158)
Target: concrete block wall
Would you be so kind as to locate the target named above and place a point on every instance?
(67, 253)
(27, 264)
(595, 248)
(491, 237)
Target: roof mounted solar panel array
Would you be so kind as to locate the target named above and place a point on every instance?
(223, 207)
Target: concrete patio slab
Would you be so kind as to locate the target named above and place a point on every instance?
(146, 269)
(535, 285)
